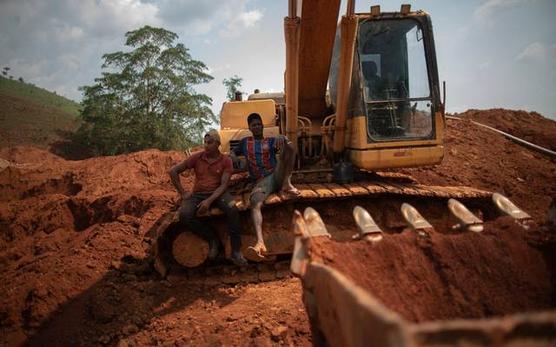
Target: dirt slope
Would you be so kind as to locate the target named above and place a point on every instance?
(71, 234)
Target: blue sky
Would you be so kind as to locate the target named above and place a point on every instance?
(491, 53)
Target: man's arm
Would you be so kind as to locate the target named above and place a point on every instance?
(237, 164)
(205, 204)
(174, 173)
(280, 141)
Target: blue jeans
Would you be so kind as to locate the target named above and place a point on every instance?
(226, 203)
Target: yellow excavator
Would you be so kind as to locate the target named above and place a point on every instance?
(359, 97)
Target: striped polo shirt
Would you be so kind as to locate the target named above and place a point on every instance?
(260, 155)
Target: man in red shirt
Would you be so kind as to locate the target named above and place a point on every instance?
(212, 174)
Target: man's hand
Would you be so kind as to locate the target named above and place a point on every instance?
(204, 206)
(281, 140)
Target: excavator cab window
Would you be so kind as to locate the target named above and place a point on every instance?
(394, 79)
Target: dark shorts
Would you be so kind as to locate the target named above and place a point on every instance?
(266, 186)
(271, 183)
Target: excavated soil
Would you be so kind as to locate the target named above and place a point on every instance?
(501, 271)
(72, 244)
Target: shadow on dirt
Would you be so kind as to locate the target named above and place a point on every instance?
(121, 304)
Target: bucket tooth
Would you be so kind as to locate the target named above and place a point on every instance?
(467, 220)
(368, 229)
(299, 257)
(299, 226)
(414, 218)
(314, 222)
(505, 205)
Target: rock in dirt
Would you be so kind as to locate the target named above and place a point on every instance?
(279, 333)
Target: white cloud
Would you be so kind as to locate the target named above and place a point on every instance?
(250, 18)
(66, 32)
(115, 15)
(218, 68)
(537, 52)
(484, 65)
(491, 7)
(70, 61)
(195, 18)
(241, 21)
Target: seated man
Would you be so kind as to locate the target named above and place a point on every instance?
(373, 82)
(212, 174)
(269, 175)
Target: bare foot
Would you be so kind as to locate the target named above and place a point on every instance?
(289, 192)
(259, 249)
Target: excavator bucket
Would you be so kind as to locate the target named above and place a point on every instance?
(352, 290)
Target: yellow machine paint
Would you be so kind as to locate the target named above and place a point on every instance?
(324, 125)
(392, 154)
(233, 120)
(342, 118)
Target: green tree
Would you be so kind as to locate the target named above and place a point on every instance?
(145, 97)
(232, 84)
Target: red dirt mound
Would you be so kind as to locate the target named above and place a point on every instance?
(529, 126)
(478, 157)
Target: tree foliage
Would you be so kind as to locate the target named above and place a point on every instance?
(232, 84)
(145, 97)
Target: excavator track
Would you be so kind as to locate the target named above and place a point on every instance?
(228, 274)
(176, 249)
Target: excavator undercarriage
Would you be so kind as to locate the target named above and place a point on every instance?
(388, 203)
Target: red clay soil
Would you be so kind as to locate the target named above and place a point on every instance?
(478, 157)
(449, 276)
(72, 240)
(530, 127)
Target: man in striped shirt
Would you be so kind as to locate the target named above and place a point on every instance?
(270, 173)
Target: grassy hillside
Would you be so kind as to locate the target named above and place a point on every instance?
(33, 116)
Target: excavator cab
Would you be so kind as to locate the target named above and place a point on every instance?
(392, 95)
(394, 112)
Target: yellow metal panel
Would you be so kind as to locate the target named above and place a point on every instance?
(234, 113)
(319, 19)
(357, 130)
(372, 159)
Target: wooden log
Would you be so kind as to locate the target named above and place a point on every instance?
(190, 250)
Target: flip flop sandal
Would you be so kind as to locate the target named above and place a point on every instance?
(292, 193)
(256, 251)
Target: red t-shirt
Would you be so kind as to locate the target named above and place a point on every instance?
(208, 175)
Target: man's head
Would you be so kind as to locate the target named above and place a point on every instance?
(255, 123)
(369, 69)
(212, 141)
